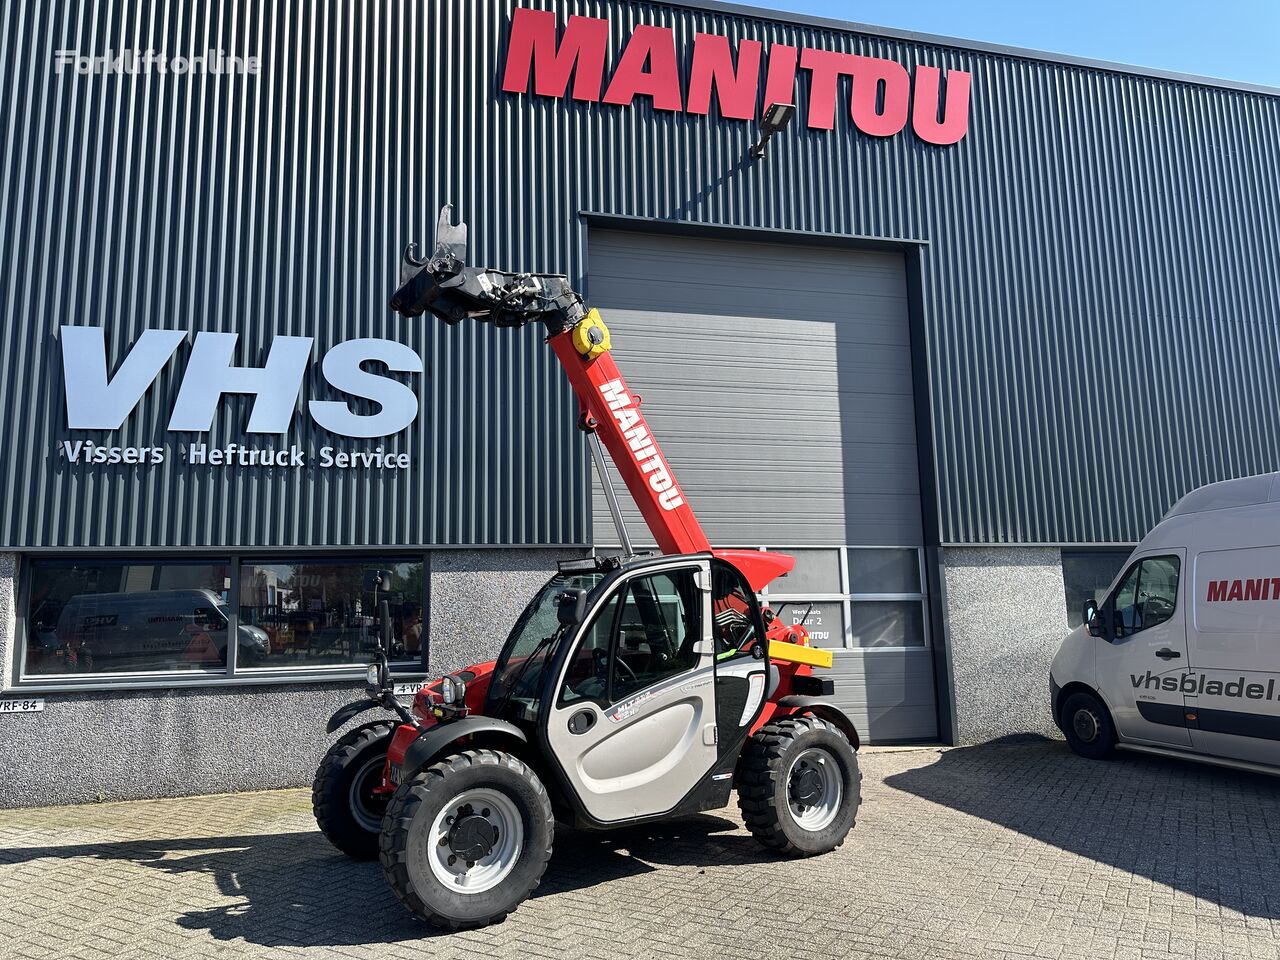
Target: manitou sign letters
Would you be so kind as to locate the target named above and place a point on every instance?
(883, 94)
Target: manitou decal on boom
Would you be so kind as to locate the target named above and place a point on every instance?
(640, 442)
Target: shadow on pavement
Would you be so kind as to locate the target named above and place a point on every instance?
(1209, 832)
(296, 890)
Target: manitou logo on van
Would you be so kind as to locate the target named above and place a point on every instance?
(640, 442)
(1259, 588)
(881, 98)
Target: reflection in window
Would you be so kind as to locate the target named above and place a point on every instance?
(823, 619)
(124, 617)
(1148, 595)
(888, 623)
(326, 611)
(816, 571)
(884, 570)
(1086, 575)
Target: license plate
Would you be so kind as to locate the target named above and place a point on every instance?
(29, 705)
(406, 689)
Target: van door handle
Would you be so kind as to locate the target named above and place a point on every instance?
(582, 721)
(1166, 654)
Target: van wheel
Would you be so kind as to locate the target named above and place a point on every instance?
(466, 840)
(1086, 721)
(799, 786)
(347, 809)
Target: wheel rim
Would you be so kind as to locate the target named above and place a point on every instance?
(367, 807)
(815, 789)
(1085, 723)
(473, 844)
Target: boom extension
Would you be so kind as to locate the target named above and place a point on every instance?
(446, 287)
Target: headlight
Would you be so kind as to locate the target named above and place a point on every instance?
(373, 676)
(452, 690)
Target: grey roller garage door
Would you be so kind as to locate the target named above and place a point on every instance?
(778, 379)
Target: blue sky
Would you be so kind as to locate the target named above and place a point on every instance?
(1234, 39)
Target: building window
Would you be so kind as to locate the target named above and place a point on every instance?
(850, 598)
(1086, 575)
(92, 621)
(325, 612)
(112, 617)
(858, 598)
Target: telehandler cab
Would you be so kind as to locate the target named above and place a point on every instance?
(632, 688)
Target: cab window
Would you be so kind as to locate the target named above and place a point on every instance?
(734, 614)
(647, 633)
(1147, 596)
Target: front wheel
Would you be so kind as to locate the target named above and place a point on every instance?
(466, 840)
(1087, 724)
(799, 787)
(345, 797)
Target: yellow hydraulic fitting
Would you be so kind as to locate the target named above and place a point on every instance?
(591, 336)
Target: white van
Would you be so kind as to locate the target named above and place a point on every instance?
(151, 629)
(1183, 656)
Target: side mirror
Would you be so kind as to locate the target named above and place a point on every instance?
(1093, 619)
(384, 614)
(377, 580)
(571, 607)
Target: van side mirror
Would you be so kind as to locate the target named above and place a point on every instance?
(1093, 619)
(571, 607)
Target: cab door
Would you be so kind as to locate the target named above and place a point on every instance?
(742, 664)
(632, 724)
(1143, 662)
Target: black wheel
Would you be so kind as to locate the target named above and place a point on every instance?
(1086, 722)
(466, 840)
(799, 786)
(346, 807)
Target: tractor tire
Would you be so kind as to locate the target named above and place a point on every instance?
(1087, 725)
(799, 786)
(347, 810)
(466, 840)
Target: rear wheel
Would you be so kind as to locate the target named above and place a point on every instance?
(1087, 724)
(799, 786)
(467, 840)
(344, 799)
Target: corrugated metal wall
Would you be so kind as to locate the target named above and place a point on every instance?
(266, 205)
(1099, 289)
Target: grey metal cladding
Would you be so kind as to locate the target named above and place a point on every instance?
(1098, 293)
(887, 694)
(266, 205)
(778, 379)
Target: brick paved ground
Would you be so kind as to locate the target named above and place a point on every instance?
(996, 851)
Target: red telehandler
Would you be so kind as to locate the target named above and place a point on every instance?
(631, 688)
